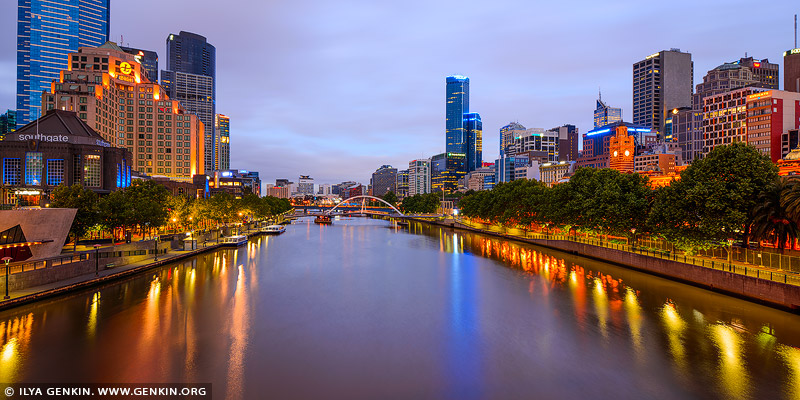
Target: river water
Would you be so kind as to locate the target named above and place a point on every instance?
(365, 309)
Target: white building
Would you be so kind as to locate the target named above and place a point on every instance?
(305, 185)
(419, 177)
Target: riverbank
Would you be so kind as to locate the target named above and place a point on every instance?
(719, 277)
(104, 274)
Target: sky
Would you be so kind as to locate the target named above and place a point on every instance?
(335, 89)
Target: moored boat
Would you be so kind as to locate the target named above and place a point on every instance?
(273, 229)
(323, 219)
(234, 241)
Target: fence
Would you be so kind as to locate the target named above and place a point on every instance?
(63, 260)
(664, 250)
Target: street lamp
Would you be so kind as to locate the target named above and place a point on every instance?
(155, 243)
(633, 239)
(7, 260)
(730, 249)
(96, 260)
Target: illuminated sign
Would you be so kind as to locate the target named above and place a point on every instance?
(756, 96)
(598, 132)
(756, 64)
(456, 155)
(125, 68)
(651, 56)
(792, 51)
(44, 138)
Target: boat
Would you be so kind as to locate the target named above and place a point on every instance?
(273, 229)
(234, 241)
(323, 219)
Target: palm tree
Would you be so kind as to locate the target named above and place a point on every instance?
(771, 219)
(790, 198)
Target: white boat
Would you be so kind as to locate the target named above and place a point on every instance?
(234, 241)
(273, 229)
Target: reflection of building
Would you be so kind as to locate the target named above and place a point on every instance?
(384, 180)
(419, 177)
(62, 149)
(770, 116)
(164, 139)
(550, 173)
(661, 82)
(791, 70)
(47, 31)
(191, 78)
(621, 149)
(222, 125)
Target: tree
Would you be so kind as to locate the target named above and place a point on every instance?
(715, 198)
(84, 200)
(790, 197)
(771, 221)
(390, 197)
(421, 203)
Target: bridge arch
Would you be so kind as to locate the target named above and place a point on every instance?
(365, 197)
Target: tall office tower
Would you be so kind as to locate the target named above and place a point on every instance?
(116, 100)
(384, 180)
(604, 115)
(473, 129)
(661, 82)
(567, 142)
(507, 135)
(148, 59)
(457, 95)
(765, 72)
(8, 122)
(222, 125)
(191, 78)
(419, 177)
(47, 31)
(791, 70)
(402, 184)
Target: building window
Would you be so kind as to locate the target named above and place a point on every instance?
(91, 170)
(33, 168)
(12, 169)
(55, 172)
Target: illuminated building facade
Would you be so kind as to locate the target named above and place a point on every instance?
(305, 185)
(663, 163)
(764, 72)
(551, 173)
(47, 31)
(770, 117)
(605, 115)
(164, 139)
(447, 169)
(661, 82)
(480, 179)
(473, 129)
(622, 149)
(507, 135)
(8, 122)
(419, 177)
(401, 184)
(222, 125)
(384, 180)
(148, 59)
(457, 97)
(725, 117)
(237, 182)
(61, 150)
(791, 70)
(596, 143)
(191, 78)
(537, 139)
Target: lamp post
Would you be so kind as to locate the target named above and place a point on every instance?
(155, 243)
(96, 260)
(7, 260)
(633, 239)
(730, 249)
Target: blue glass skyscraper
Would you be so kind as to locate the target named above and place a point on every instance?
(47, 31)
(473, 132)
(457, 92)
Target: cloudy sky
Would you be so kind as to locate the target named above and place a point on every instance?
(335, 89)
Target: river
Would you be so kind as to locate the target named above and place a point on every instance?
(364, 309)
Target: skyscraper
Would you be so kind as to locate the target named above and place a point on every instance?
(791, 70)
(47, 31)
(473, 129)
(457, 94)
(384, 180)
(661, 82)
(191, 78)
(507, 135)
(605, 115)
(222, 125)
(148, 59)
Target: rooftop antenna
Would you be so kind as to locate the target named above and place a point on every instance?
(795, 31)
(599, 94)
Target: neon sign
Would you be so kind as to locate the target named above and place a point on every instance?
(125, 68)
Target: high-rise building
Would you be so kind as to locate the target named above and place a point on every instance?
(765, 72)
(791, 70)
(770, 117)
(191, 79)
(604, 115)
(222, 125)
(507, 135)
(457, 96)
(661, 82)
(401, 184)
(8, 122)
(305, 185)
(725, 117)
(473, 128)
(538, 140)
(567, 142)
(419, 177)
(127, 110)
(148, 59)
(47, 31)
(384, 180)
(447, 169)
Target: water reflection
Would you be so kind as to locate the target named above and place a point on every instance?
(732, 371)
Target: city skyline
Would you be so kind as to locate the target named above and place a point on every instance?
(370, 107)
